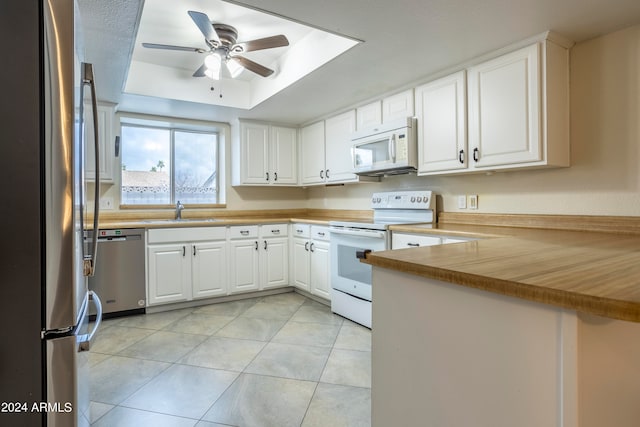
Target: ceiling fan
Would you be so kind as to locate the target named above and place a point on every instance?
(221, 40)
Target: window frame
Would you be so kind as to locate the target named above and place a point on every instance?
(173, 126)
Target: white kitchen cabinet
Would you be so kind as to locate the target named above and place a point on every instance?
(312, 154)
(310, 265)
(339, 163)
(442, 124)
(185, 264)
(244, 274)
(411, 240)
(106, 141)
(168, 274)
(404, 240)
(369, 115)
(267, 154)
(274, 256)
(519, 109)
(398, 106)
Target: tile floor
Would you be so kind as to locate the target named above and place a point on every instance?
(281, 360)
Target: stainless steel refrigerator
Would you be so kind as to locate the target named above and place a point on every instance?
(44, 300)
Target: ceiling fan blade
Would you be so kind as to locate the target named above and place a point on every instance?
(204, 24)
(253, 66)
(264, 43)
(200, 71)
(171, 47)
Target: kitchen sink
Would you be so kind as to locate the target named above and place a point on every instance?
(178, 221)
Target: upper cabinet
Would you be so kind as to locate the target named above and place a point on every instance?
(442, 124)
(312, 153)
(398, 106)
(369, 115)
(517, 114)
(106, 137)
(338, 130)
(267, 154)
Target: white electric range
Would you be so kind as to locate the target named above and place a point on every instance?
(351, 279)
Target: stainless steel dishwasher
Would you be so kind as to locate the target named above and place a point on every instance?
(120, 275)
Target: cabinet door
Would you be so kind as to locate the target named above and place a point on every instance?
(105, 140)
(254, 153)
(442, 124)
(312, 152)
(398, 106)
(400, 241)
(338, 130)
(274, 263)
(369, 115)
(282, 151)
(209, 269)
(320, 269)
(300, 263)
(169, 273)
(504, 109)
(243, 266)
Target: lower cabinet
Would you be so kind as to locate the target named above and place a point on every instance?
(407, 240)
(259, 257)
(185, 264)
(310, 267)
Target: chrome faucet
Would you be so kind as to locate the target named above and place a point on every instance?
(179, 208)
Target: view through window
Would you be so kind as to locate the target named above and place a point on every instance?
(163, 166)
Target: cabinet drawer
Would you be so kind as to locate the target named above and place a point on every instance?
(186, 234)
(301, 230)
(319, 232)
(399, 240)
(274, 230)
(243, 232)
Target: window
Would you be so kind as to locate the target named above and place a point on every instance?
(165, 165)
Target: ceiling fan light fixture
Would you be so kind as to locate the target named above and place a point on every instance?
(234, 67)
(213, 62)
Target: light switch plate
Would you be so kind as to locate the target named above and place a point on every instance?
(462, 202)
(473, 201)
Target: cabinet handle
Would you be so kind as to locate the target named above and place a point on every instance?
(476, 154)
(327, 173)
(184, 251)
(321, 174)
(320, 233)
(413, 244)
(256, 245)
(311, 248)
(265, 245)
(299, 230)
(194, 250)
(244, 232)
(461, 156)
(267, 176)
(275, 176)
(306, 246)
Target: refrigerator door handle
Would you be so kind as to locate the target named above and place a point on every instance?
(84, 341)
(89, 262)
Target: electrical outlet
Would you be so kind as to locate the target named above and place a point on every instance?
(462, 202)
(473, 201)
(106, 203)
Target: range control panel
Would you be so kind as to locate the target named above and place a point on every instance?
(407, 199)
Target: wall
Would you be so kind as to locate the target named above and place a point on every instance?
(604, 175)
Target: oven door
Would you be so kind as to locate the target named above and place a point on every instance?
(348, 274)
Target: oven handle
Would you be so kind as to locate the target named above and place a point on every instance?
(362, 233)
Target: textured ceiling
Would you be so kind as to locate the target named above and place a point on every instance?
(405, 41)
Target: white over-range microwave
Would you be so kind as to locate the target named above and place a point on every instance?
(387, 149)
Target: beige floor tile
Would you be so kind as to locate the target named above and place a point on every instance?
(348, 367)
(316, 313)
(231, 308)
(353, 337)
(303, 333)
(339, 406)
(260, 401)
(164, 346)
(187, 391)
(116, 338)
(127, 417)
(201, 324)
(251, 328)
(290, 361)
(155, 321)
(223, 353)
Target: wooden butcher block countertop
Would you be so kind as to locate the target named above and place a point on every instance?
(588, 271)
